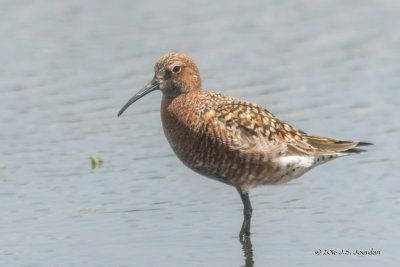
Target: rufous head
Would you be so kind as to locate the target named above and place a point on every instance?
(174, 74)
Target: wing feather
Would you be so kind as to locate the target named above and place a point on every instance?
(250, 126)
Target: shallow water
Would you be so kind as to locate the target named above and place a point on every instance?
(67, 67)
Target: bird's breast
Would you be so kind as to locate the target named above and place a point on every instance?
(186, 137)
(209, 150)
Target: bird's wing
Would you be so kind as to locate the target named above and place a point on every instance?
(249, 126)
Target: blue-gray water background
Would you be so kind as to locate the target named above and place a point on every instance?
(66, 68)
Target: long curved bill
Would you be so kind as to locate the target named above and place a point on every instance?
(152, 86)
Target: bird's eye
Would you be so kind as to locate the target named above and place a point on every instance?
(176, 69)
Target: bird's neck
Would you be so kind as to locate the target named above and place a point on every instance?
(180, 117)
(179, 105)
(180, 108)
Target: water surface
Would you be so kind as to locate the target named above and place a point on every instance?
(67, 67)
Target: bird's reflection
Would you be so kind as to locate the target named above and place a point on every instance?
(247, 248)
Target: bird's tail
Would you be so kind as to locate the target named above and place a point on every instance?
(330, 145)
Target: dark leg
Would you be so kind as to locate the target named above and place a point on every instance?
(247, 211)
